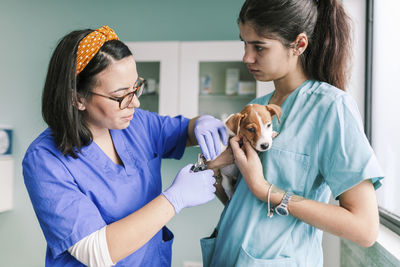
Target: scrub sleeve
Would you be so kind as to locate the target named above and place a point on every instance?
(346, 157)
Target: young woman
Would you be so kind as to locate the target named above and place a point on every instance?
(94, 175)
(279, 208)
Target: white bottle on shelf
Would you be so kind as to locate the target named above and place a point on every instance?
(232, 81)
(205, 85)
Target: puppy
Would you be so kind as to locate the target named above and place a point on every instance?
(254, 123)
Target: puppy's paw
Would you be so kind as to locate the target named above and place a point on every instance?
(274, 134)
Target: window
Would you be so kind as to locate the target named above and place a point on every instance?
(384, 120)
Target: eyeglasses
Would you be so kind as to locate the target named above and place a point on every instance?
(125, 100)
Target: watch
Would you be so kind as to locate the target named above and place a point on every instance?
(281, 209)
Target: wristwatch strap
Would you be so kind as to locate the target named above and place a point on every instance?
(284, 204)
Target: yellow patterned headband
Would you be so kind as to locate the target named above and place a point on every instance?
(91, 44)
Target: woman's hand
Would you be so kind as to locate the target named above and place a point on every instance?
(249, 163)
(190, 188)
(209, 132)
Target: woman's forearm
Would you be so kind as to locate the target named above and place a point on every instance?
(337, 220)
(355, 219)
(132, 232)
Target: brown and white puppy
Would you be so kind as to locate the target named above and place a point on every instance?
(254, 123)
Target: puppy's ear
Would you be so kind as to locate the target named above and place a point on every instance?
(275, 110)
(233, 122)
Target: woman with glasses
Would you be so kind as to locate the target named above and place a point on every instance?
(94, 175)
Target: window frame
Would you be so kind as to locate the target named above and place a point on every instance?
(388, 219)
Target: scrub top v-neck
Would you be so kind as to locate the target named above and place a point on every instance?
(73, 198)
(321, 149)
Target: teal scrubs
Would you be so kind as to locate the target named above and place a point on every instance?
(321, 149)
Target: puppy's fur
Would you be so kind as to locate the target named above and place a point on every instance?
(254, 123)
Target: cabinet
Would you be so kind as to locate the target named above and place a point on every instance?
(181, 65)
(6, 168)
(6, 183)
(158, 61)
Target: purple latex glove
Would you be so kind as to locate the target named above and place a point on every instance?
(190, 188)
(209, 131)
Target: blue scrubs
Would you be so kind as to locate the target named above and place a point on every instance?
(321, 149)
(73, 198)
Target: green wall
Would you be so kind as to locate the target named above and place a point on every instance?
(30, 32)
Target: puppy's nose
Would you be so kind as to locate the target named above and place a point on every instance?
(264, 146)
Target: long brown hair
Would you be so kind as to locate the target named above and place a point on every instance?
(325, 23)
(59, 111)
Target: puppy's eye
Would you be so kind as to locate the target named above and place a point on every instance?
(269, 125)
(252, 130)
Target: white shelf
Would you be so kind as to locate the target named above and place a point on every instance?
(179, 71)
(227, 97)
(191, 55)
(167, 54)
(6, 183)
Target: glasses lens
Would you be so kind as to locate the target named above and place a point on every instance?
(139, 89)
(138, 92)
(126, 101)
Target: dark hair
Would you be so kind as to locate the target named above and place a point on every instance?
(325, 23)
(62, 86)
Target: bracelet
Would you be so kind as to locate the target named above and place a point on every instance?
(270, 210)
